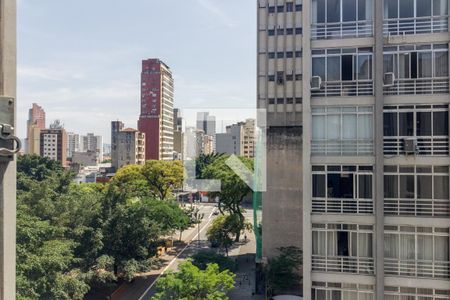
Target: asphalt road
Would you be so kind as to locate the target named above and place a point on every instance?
(143, 288)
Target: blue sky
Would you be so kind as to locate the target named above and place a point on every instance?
(81, 59)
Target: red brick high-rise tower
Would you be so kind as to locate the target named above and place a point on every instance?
(156, 119)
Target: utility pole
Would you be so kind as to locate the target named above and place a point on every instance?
(9, 145)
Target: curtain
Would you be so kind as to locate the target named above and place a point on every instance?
(391, 9)
(365, 244)
(365, 131)
(441, 64)
(363, 66)
(441, 251)
(365, 296)
(349, 127)
(424, 247)
(407, 247)
(333, 11)
(391, 245)
(319, 242)
(333, 127)
(331, 243)
(441, 187)
(318, 128)
(440, 7)
(403, 65)
(350, 295)
(425, 65)
(424, 187)
(364, 10)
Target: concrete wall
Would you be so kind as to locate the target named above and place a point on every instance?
(282, 203)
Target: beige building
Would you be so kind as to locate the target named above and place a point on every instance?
(128, 146)
(357, 99)
(35, 123)
(239, 139)
(248, 138)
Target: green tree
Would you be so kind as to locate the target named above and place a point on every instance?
(163, 177)
(191, 283)
(220, 232)
(203, 161)
(283, 272)
(233, 190)
(202, 258)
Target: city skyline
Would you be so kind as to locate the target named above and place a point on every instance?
(90, 89)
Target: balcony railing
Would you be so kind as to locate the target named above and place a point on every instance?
(344, 88)
(342, 206)
(426, 146)
(415, 25)
(341, 147)
(417, 268)
(418, 86)
(417, 207)
(322, 31)
(343, 264)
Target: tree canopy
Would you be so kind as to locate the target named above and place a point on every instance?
(191, 283)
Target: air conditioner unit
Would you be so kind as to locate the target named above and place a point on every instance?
(316, 83)
(410, 145)
(389, 79)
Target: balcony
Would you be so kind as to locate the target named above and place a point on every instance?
(341, 147)
(426, 146)
(345, 88)
(417, 207)
(323, 31)
(419, 86)
(342, 206)
(419, 25)
(343, 264)
(417, 268)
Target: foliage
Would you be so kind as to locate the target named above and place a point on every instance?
(73, 237)
(220, 232)
(203, 161)
(202, 258)
(163, 177)
(191, 283)
(283, 272)
(233, 189)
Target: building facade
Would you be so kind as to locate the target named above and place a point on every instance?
(73, 143)
(357, 99)
(53, 145)
(35, 123)
(127, 146)
(92, 142)
(239, 139)
(178, 135)
(156, 119)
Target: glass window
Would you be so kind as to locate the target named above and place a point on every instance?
(440, 123)
(391, 245)
(289, 6)
(441, 64)
(390, 63)
(391, 9)
(407, 246)
(406, 9)
(318, 128)
(340, 186)
(424, 249)
(333, 11)
(365, 186)
(364, 67)
(390, 186)
(390, 124)
(319, 185)
(441, 248)
(425, 65)
(423, 8)
(349, 10)
(364, 9)
(349, 127)
(407, 186)
(318, 67)
(404, 65)
(333, 127)
(406, 124)
(441, 187)
(318, 8)
(334, 68)
(365, 131)
(424, 187)
(440, 7)
(424, 123)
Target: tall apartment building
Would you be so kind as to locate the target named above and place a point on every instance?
(357, 95)
(178, 135)
(92, 142)
(156, 119)
(127, 146)
(54, 145)
(73, 143)
(35, 123)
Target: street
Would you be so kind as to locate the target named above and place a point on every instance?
(142, 288)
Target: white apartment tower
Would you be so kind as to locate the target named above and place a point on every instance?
(357, 95)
